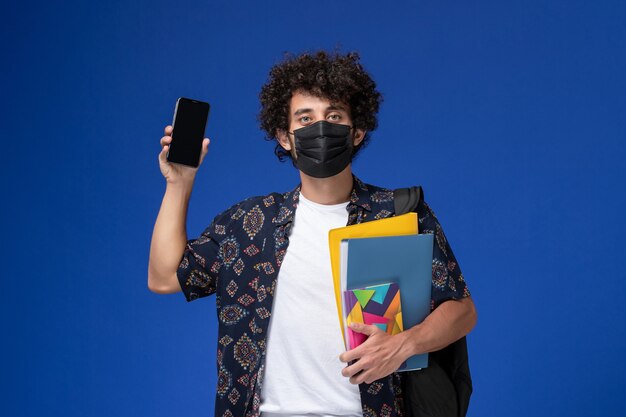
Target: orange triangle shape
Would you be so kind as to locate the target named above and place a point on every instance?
(394, 307)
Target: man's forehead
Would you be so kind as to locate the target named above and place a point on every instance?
(303, 102)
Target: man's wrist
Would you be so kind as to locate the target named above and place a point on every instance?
(180, 188)
(415, 339)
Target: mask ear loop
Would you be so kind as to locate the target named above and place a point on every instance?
(292, 152)
(354, 147)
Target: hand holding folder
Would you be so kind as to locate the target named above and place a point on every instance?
(379, 255)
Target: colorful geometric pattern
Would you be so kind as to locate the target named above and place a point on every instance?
(246, 352)
(224, 381)
(251, 250)
(238, 258)
(231, 288)
(229, 250)
(231, 314)
(253, 221)
(378, 305)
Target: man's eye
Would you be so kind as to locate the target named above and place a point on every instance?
(305, 119)
(334, 117)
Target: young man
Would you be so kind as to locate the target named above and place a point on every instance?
(279, 353)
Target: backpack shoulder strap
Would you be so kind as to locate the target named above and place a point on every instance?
(448, 368)
(406, 200)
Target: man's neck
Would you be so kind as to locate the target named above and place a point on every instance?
(332, 190)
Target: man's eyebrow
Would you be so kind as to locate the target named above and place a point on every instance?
(336, 107)
(329, 108)
(300, 111)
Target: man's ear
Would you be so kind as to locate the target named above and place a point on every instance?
(283, 139)
(359, 135)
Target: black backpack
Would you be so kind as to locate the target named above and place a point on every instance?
(443, 389)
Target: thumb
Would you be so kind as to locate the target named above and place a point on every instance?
(163, 154)
(205, 148)
(366, 329)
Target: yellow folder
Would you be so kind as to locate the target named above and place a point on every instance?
(402, 225)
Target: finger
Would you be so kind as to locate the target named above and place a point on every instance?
(205, 148)
(355, 380)
(364, 376)
(163, 154)
(366, 329)
(352, 370)
(166, 140)
(168, 130)
(351, 355)
(370, 376)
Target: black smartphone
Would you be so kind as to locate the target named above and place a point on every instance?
(190, 117)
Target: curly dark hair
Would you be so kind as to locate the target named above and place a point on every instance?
(333, 76)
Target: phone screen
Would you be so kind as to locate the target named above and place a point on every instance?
(190, 117)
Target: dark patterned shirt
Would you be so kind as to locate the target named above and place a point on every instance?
(238, 257)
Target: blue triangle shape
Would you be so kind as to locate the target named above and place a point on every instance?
(381, 293)
(381, 326)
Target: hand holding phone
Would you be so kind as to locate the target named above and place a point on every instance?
(173, 170)
(190, 118)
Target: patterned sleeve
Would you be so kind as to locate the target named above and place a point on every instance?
(198, 269)
(448, 282)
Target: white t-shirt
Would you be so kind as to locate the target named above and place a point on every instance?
(302, 369)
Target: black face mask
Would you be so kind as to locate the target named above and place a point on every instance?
(323, 149)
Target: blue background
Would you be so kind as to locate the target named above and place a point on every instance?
(510, 114)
